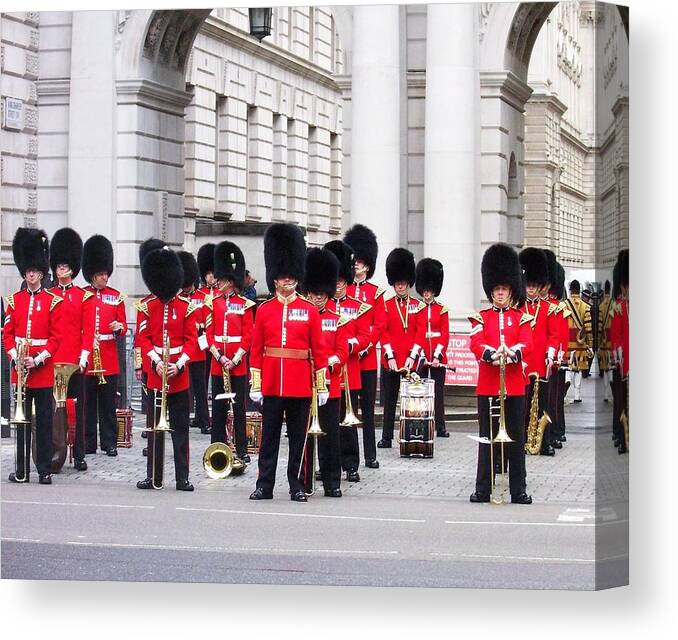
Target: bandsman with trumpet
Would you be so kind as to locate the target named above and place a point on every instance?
(107, 313)
(500, 339)
(354, 315)
(436, 326)
(168, 338)
(229, 325)
(32, 333)
(77, 324)
(287, 359)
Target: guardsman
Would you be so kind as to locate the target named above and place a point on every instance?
(501, 332)
(355, 314)
(229, 323)
(365, 249)
(287, 359)
(403, 334)
(545, 337)
(604, 321)
(32, 331)
(168, 316)
(197, 365)
(433, 357)
(77, 326)
(581, 338)
(320, 285)
(107, 309)
(209, 287)
(619, 342)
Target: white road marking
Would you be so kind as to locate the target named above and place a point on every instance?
(298, 515)
(530, 558)
(80, 504)
(536, 524)
(6, 539)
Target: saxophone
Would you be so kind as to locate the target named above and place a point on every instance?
(96, 352)
(536, 426)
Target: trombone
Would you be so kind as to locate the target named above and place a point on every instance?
(502, 436)
(19, 421)
(97, 369)
(350, 419)
(315, 432)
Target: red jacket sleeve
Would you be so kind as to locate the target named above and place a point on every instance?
(441, 344)
(55, 326)
(341, 350)
(9, 331)
(478, 342)
(257, 349)
(121, 316)
(190, 334)
(144, 341)
(87, 338)
(247, 329)
(362, 332)
(525, 340)
(317, 343)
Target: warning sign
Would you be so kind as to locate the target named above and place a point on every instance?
(459, 355)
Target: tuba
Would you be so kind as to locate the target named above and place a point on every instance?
(62, 376)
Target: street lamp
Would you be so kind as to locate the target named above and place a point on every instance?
(260, 22)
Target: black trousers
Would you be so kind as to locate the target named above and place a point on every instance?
(514, 452)
(542, 405)
(619, 404)
(329, 448)
(76, 389)
(100, 402)
(199, 407)
(44, 413)
(350, 449)
(368, 396)
(558, 392)
(220, 408)
(178, 410)
(391, 387)
(438, 375)
(295, 412)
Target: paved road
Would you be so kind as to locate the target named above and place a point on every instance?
(406, 524)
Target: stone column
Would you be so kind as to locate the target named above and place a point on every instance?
(451, 207)
(375, 124)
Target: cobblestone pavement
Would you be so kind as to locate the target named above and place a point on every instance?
(569, 477)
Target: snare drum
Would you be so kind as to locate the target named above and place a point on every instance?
(124, 422)
(252, 430)
(417, 417)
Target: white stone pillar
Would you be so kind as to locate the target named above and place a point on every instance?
(375, 125)
(92, 125)
(451, 205)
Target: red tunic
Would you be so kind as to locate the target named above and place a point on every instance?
(141, 360)
(336, 336)
(486, 333)
(355, 314)
(233, 317)
(43, 309)
(376, 319)
(405, 328)
(291, 324)
(76, 324)
(436, 327)
(619, 334)
(176, 317)
(546, 330)
(198, 298)
(110, 304)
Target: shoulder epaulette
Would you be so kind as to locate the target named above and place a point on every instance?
(553, 308)
(566, 313)
(249, 303)
(122, 297)
(422, 305)
(190, 308)
(142, 306)
(443, 309)
(364, 308)
(342, 319)
(477, 317)
(266, 301)
(86, 295)
(10, 300)
(526, 317)
(380, 292)
(209, 301)
(184, 298)
(55, 301)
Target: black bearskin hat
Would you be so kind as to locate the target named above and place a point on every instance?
(575, 287)
(500, 266)
(551, 265)
(322, 270)
(97, 256)
(206, 259)
(346, 256)
(364, 244)
(624, 267)
(66, 248)
(163, 274)
(429, 276)
(149, 245)
(284, 252)
(229, 263)
(31, 250)
(558, 288)
(606, 287)
(400, 266)
(190, 269)
(535, 266)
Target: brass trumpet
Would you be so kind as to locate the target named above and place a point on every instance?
(350, 419)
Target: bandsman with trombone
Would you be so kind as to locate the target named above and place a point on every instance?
(77, 324)
(168, 338)
(229, 324)
(32, 332)
(500, 339)
(107, 309)
(288, 363)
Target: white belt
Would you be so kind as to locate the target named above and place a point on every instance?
(433, 334)
(227, 339)
(106, 336)
(34, 342)
(173, 350)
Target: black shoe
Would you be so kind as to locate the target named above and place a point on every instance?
(112, 452)
(384, 444)
(260, 494)
(145, 452)
(145, 484)
(577, 400)
(184, 485)
(91, 451)
(195, 424)
(298, 496)
(563, 438)
(12, 478)
(79, 465)
(205, 430)
(622, 449)
(521, 498)
(45, 479)
(318, 476)
(479, 497)
(556, 444)
(352, 476)
(372, 464)
(605, 400)
(246, 458)
(442, 434)
(548, 450)
(144, 434)
(333, 493)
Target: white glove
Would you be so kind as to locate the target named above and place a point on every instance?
(83, 362)
(323, 397)
(256, 396)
